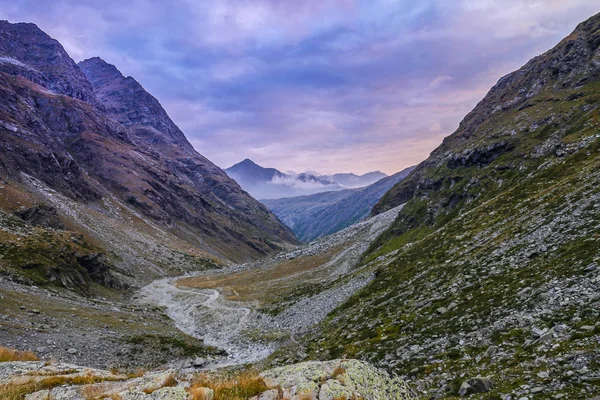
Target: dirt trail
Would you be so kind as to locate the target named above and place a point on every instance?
(197, 305)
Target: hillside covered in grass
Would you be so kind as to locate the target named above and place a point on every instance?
(491, 268)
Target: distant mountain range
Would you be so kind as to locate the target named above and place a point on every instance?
(321, 214)
(355, 181)
(270, 183)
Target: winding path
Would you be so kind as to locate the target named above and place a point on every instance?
(203, 314)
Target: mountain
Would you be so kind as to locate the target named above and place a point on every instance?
(355, 181)
(96, 151)
(27, 51)
(269, 183)
(250, 173)
(491, 267)
(321, 214)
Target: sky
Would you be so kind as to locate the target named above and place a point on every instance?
(321, 85)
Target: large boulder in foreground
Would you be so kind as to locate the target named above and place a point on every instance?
(328, 380)
(336, 379)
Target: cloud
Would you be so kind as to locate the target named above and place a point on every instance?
(334, 86)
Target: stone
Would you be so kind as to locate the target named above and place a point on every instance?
(491, 351)
(441, 310)
(464, 389)
(72, 350)
(334, 389)
(170, 393)
(587, 328)
(272, 394)
(475, 385)
(199, 362)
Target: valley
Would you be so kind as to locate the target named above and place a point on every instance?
(134, 268)
(249, 310)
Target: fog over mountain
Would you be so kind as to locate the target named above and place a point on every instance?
(270, 183)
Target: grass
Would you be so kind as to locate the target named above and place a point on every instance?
(7, 354)
(170, 381)
(18, 391)
(265, 285)
(239, 386)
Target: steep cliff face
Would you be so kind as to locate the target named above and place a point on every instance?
(127, 102)
(28, 51)
(118, 156)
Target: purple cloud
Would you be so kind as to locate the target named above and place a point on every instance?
(332, 86)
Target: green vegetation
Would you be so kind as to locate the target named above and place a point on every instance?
(480, 243)
(187, 346)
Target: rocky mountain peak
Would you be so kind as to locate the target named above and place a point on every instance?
(27, 51)
(130, 104)
(573, 62)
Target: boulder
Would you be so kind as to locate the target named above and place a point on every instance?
(475, 385)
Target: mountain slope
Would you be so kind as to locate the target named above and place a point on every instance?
(321, 214)
(269, 183)
(117, 159)
(491, 268)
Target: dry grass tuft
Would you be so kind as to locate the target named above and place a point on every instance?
(169, 381)
(137, 373)
(238, 387)
(13, 391)
(98, 393)
(338, 373)
(7, 354)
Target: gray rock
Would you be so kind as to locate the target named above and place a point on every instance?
(475, 385)
(491, 352)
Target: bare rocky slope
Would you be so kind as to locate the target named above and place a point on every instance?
(320, 214)
(491, 268)
(101, 155)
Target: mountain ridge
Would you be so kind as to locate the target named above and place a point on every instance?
(320, 214)
(491, 267)
(103, 153)
(270, 183)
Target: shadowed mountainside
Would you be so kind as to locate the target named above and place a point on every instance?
(106, 156)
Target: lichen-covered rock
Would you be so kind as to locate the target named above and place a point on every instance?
(314, 380)
(338, 379)
(169, 393)
(334, 389)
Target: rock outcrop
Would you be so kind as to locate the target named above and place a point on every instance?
(332, 380)
(337, 379)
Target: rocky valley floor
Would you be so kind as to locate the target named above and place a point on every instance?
(226, 317)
